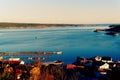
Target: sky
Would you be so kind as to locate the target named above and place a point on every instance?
(60, 11)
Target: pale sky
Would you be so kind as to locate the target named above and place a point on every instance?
(60, 11)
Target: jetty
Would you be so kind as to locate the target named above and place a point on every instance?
(29, 53)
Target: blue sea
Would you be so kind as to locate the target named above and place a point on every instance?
(72, 41)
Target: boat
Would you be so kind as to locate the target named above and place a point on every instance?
(56, 62)
(59, 52)
(14, 61)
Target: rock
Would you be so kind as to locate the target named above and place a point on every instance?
(112, 33)
(114, 28)
(98, 30)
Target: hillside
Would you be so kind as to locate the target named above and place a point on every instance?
(36, 25)
(32, 25)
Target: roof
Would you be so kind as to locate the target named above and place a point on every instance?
(106, 58)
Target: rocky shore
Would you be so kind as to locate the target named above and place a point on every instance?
(113, 30)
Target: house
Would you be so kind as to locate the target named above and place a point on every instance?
(104, 66)
(102, 69)
(98, 58)
(107, 59)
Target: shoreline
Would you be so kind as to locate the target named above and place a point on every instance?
(51, 27)
(39, 26)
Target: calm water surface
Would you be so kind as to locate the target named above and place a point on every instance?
(73, 41)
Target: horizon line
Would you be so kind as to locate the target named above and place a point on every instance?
(60, 23)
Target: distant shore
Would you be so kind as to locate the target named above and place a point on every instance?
(35, 25)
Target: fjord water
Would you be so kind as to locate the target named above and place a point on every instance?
(72, 41)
